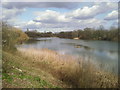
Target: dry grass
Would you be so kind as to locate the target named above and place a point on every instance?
(20, 72)
(74, 72)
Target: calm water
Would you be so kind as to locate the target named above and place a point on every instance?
(104, 53)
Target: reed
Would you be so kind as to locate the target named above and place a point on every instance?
(75, 72)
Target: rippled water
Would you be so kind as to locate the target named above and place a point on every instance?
(105, 53)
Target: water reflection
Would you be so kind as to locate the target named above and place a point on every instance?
(103, 52)
(35, 40)
(78, 46)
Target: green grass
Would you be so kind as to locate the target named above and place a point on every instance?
(12, 77)
(40, 82)
(31, 68)
(46, 69)
(7, 77)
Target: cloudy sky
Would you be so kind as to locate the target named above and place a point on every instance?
(60, 16)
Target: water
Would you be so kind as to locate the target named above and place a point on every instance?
(104, 53)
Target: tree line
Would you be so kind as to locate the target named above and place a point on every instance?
(85, 34)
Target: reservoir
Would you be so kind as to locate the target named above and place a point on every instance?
(103, 53)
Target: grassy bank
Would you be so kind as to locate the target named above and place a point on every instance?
(19, 72)
(48, 69)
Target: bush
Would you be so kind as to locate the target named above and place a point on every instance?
(11, 36)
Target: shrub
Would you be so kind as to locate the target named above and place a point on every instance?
(11, 36)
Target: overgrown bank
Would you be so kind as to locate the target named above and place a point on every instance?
(19, 72)
(28, 68)
(15, 72)
(53, 70)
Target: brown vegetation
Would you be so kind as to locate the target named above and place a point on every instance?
(28, 68)
(75, 73)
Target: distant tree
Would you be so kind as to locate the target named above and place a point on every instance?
(88, 33)
(75, 34)
(101, 27)
(27, 29)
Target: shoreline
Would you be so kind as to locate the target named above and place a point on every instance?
(68, 69)
(34, 38)
(44, 68)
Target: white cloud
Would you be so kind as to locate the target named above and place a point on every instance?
(112, 5)
(74, 24)
(54, 17)
(90, 12)
(85, 12)
(112, 16)
(11, 13)
(74, 19)
(50, 16)
(108, 5)
(93, 22)
(31, 25)
(32, 22)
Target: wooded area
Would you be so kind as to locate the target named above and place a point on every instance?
(86, 34)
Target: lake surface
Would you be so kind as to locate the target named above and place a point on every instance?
(104, 53)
